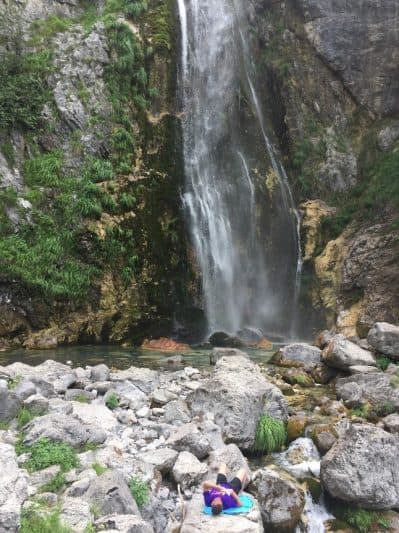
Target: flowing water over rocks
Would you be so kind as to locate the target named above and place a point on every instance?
(244, 233)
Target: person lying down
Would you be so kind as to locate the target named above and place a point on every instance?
(223, 495)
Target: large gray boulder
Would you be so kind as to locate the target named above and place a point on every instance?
(188, 471)
(281, 501)
(362, 468)
(13, 489)
(342, 353)
(75, 513)
(218, 353)
(375, 389)
(238, 394)
(189, 438)
(197, 522)
(123, 524)
(162, 459)
(69, 429)
(299, 352)
(10, 405)
(110, 494)
(384, 338)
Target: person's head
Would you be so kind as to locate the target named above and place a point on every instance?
(217, 506)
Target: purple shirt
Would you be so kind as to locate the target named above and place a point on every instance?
(228, 501)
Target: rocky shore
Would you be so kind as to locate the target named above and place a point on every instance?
(98, 449)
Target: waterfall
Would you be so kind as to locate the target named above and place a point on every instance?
(245, 236)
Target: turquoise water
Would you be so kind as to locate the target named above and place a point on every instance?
(118, 357)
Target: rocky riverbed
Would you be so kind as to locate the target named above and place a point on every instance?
(100, 449)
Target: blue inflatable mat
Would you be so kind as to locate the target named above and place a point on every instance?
(246, 506)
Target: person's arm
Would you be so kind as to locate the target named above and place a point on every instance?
(237, 499)
(207, 485)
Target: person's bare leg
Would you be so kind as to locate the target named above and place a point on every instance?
(242, 475)
(222, 469)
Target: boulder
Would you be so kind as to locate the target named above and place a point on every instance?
(123, 523)
(223, 340)
(100, 373)
(296, 426)
(162, 459)
(342, 353)
(73, 394)
(281, 501)
(375, 389)
(144, 379)
(189, 438)
(188, 471)
(132, 395)
(69, 429)
(391, 423)
(96, 416)
(75, 513)
(25, 389)
(361, 369)
(163, 396)
(324, 436)
(10, 405)
(229, 454)
(196, 522)
(384, 338)
(165, 345)
(301, 459)
(111, 495)
(217, 353)
(37, 404)
(299, 352)
(13, 489)
(238, 394)
(250, 336)
(176, 411)
(361, 468)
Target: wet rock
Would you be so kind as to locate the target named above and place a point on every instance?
(175, 361)
(123, 523)
(342, 354)
(361, 468)
(384, 338)
(69, 429)
(218, 353)
(301, 459)
(375, 389)
(13, 489)
(324, 436)
(162, 459)
(100, 373)
(313, 212)
(196, 522)
(111, 495)
(188, 471)
(237, 394)
(281, 501)
(41, 341)
(294, 376)
(250, 336)
(296, 426)
(323, 373)
(300, 352)
(223, 340)
(10, 405)
(165, 345)
(324, 338)
(189, 438)
(264, 344)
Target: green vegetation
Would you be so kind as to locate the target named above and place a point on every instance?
(4, 426)
(14, 382)
(383, 362)
(45, 453)
(99, 469)
(56, 484)
(361, 412)
(112, 401)
(270, 436)
(139, 490)
(24, 417)
(395, 381)
(81, 398)
(34, 520)
(363, 520)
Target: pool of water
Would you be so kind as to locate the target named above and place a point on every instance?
(118, 357)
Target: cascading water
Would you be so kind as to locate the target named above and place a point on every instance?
(239, 205)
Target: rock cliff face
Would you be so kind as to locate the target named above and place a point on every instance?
(92, 245)
(330, 87)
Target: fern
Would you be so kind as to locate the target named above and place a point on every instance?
(270, 435)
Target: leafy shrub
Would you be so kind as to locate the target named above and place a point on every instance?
(56, 484)
(383, 362)
(99, 469)
(34, 521)
(24, 417)
(45, 453)
(270, 435)
(361, 412)
(112, 401)
(139, 490)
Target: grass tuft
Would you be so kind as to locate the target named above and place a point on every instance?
(270, 436)
(139, 490)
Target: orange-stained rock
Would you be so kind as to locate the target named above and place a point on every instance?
(265, 344)
(165, 345)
